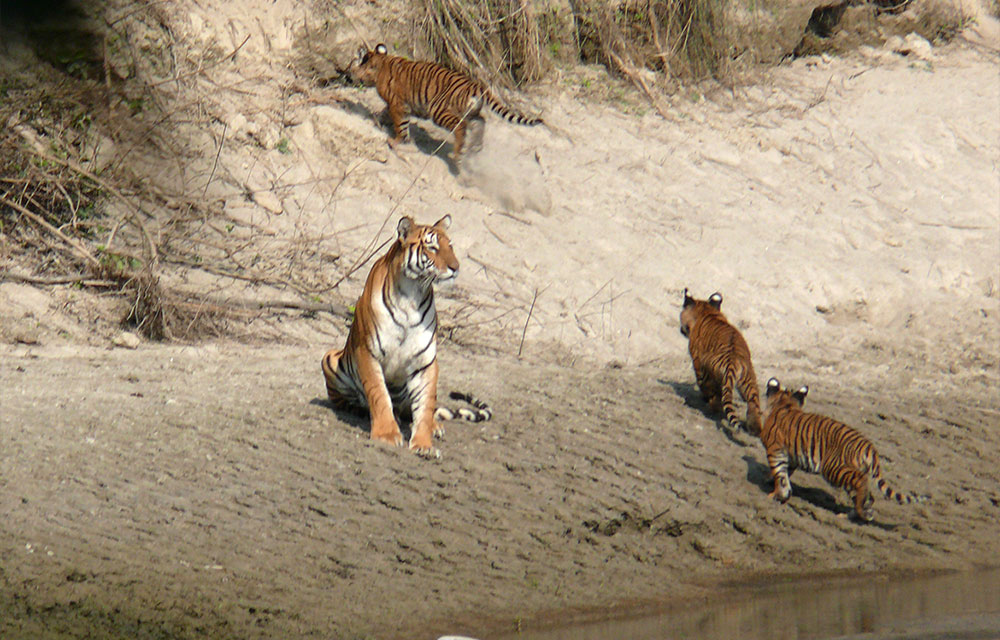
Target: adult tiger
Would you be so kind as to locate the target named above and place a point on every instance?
(721, 360)
(390, 359)
(428, 90)
(795, 439)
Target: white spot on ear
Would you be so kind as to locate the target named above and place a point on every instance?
(380, 48)
(773, 383)
(716, 297)
(404, 226)
(803, 391)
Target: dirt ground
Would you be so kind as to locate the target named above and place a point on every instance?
(209, 491)
(848, 209)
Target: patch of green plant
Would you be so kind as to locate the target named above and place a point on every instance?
(135, 105)
(116, 261)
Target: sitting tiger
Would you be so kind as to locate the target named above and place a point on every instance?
(428, 90)
(721, 360)
(795, 439)
(390, 359)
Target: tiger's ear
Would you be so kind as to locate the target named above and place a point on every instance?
(715, 300)
(381, 49)
(800, 395)
(773, 386)
(403, 228)
(362, 52)
(443, 223)
(688, 300)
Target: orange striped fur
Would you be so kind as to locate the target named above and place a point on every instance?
(721, 360)
(795, 439)
(428, 90)
(389, 363)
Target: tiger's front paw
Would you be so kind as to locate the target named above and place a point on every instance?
(421, 445)
(388, 434)
(438, 430)
(778, 495)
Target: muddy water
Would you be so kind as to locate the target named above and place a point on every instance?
(953, 606)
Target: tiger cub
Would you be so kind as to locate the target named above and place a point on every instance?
(721, 360)
(795, 439)
(390, 359)
(428, 90)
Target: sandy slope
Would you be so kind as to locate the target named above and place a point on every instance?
(849, 211)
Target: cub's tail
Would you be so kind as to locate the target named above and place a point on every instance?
(728, 407)
(481, 413)
(506, 112)
(892, 494)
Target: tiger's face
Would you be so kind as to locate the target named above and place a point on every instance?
(428, 256)
(778, 397)
(693, 310)
(367, 64)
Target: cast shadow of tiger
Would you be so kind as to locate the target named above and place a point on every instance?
(759, 475)
(691, 396)
(440, 147)
(359, 418)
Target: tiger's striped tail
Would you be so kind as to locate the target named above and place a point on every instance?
(892, 494)
(755, 421)
(509, 114)
(481, 413)
(728, 407)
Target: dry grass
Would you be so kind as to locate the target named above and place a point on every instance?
(487, 38)
(81, 129)
(680, 41)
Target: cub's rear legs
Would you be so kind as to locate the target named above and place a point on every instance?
(780, 472)
(400, 122)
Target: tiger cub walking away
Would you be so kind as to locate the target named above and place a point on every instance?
(795, 439)
(390, 360)
(721, 360)
(428, 90)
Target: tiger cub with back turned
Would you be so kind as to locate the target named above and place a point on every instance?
(390, 359)
(795, 439)
(428, 90)
(721, 360)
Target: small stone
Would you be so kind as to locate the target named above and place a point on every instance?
(269, 201)
(126, 340)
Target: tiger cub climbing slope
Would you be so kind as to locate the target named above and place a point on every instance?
(795, 439)
(428, 90)
(721, 360)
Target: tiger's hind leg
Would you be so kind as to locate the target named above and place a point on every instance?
(456, 125)
(399, 113)
(330, 364)
(857, 489)
(476, 133)
(709, 387)
(780, 471)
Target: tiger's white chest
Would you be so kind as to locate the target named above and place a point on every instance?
(406, 340)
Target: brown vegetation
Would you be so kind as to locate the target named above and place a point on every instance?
(83, 127)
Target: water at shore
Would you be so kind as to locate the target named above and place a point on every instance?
(951, 606)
